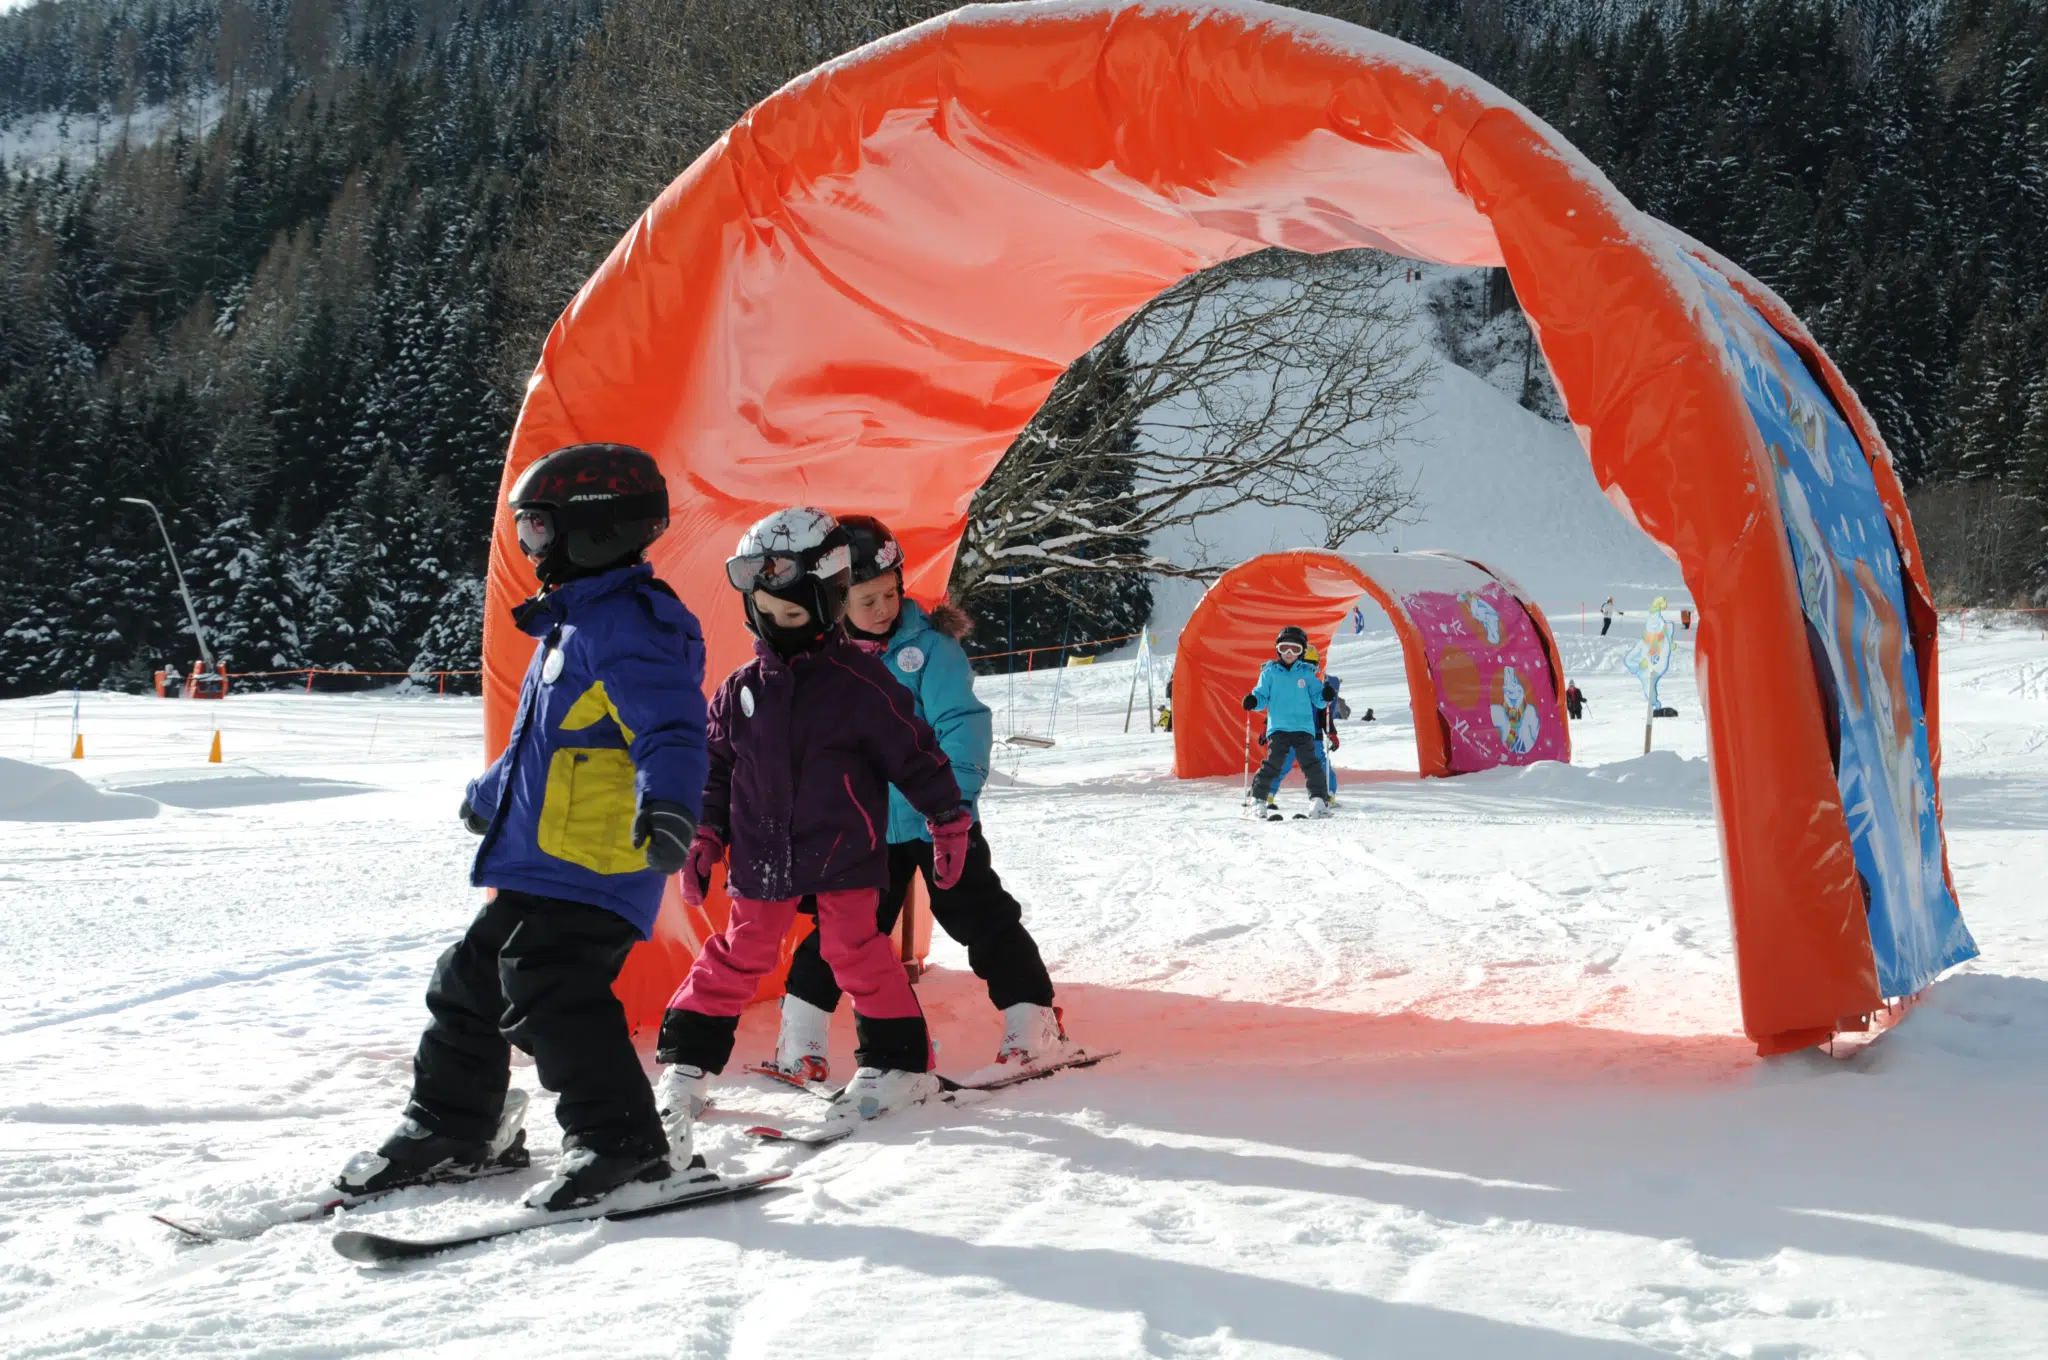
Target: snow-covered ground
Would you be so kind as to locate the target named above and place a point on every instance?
(1457, 1074)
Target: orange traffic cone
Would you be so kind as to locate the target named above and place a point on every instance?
(213, 756)
(78, 747)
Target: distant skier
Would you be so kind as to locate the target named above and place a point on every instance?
(1574, 700)
(583, 816)
(1685, 618)
(923, 653)
(1607, 613)
(1291, 693)
(805, 741)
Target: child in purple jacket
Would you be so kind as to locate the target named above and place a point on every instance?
(805, 741)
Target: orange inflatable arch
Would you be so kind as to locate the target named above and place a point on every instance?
(1230, 635)
(860, 294)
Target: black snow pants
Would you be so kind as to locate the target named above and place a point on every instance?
(978, 911)
(536, 972)
(1605, 624)
(1278, 744)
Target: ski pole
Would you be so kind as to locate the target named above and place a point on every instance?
(1247, 755)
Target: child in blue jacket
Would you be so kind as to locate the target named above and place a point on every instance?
(1291, 693)
(589, 808)
(923, 652)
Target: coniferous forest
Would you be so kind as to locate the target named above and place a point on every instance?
(292, 293)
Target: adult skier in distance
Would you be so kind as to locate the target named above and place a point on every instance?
(805, 741)
(1291, 693)
(923, 653)
(591, 805)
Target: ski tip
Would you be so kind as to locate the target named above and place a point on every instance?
(186, 1230)
(365, 1248)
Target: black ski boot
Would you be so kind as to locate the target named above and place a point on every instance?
(587, 1174)
(415, 1155)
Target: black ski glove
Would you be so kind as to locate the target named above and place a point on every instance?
(1251, 701)
(666, 829)
(476, 823)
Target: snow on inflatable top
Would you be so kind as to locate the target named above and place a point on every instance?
(862, 292)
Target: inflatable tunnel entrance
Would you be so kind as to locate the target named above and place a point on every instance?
(1484, 679)
(861, 293)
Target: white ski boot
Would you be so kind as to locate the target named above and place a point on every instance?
(873, 1092)
(1318, 808)
(680, 1096)
(802, 1047)
(1034, 1038)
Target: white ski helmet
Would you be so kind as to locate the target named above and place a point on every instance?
(800, 555)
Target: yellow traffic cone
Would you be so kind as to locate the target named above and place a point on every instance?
(213, 756)
(78, 747)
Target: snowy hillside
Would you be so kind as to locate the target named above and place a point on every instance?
(1494, 482)
(1455, 1074)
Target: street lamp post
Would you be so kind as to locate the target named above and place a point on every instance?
(205, 652)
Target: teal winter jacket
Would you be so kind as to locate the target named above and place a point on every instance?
(934, 668)
(1290, 695)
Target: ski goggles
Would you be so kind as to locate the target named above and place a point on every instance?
(1285, 647)
(535, 529)
(780, 571)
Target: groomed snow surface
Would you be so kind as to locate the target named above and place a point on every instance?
(1455, 1074)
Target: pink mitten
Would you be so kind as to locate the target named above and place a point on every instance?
(707, 851)
(949, 848)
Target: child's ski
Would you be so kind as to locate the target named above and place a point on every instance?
(833, 1130)
(1076, 1057)
(304, 1211)
(633, 1201)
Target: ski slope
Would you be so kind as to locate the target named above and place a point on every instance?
(1454, 1074)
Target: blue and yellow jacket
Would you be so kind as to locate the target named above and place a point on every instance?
(611, 713)
(934, 666)
(1291, 695)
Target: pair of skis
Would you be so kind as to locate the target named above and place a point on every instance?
(687, 1189)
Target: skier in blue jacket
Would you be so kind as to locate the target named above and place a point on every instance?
(1327, 739)
(589, 808)
(923, 652)
(1291, 693)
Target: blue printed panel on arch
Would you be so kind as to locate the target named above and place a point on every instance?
(1853, 595)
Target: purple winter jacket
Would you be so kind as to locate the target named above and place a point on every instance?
(802, 757)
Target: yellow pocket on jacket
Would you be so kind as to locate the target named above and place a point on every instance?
(586, 816)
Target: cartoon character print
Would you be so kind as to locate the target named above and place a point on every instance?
(1481, 616)
(1650, 658)
(1515, 720)
(1884, 666)
(1810, 426)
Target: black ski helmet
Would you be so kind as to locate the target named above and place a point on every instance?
(1294, 635)
(801, 555)
(875, 549)
(587, 508)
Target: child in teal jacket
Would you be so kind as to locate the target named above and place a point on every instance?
(924, 653)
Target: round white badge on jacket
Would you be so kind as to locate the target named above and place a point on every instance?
(910, 660)
(551, 669)
(747, 700)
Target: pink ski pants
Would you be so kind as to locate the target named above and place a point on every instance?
(732, 964)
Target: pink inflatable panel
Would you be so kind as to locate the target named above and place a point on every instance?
(1498, 699)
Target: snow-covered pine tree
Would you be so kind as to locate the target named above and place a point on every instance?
(454, 639)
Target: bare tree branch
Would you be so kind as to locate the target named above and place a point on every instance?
(1277, 379)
